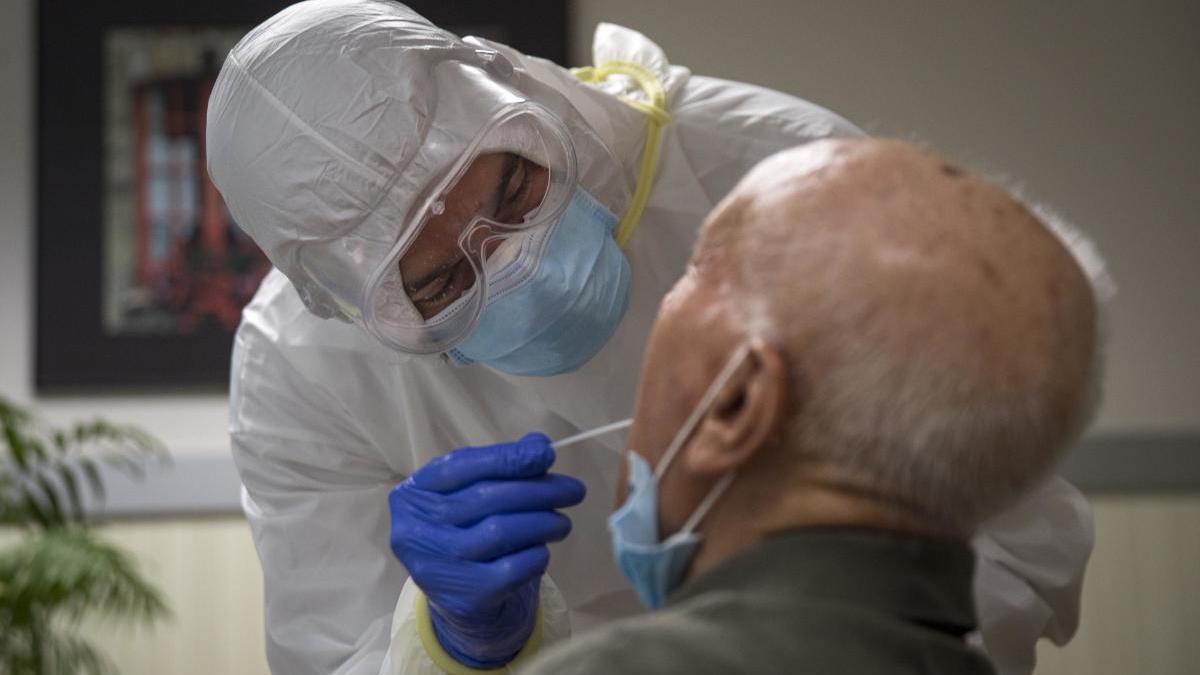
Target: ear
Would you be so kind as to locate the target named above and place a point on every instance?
(749, 411)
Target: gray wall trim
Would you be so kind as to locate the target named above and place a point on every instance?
(209, 485)
(1136, 463)
(189, 486)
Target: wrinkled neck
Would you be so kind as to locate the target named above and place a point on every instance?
(820, 505)
(764, 506)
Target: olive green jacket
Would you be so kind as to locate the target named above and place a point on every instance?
(822, 601)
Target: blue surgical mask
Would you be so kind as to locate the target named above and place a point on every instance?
(557, 318)
(655, 568)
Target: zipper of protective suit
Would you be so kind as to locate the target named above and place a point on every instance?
(657, 117)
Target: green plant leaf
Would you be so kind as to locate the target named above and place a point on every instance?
(16, 445)
(59, 570)
(70, 485)
(68, 654)
(73, 571)
(31, 509)
(34, 446)
(127, 465)
(92, 473)
(50, 498)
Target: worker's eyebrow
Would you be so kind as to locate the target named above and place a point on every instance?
(510, 167)
(422, 282)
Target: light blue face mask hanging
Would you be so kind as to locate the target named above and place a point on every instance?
(559, 317)
(655, 568)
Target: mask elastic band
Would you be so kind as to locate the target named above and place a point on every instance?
(700, 410)
(585, 435)
(656, 118)
(706, 504)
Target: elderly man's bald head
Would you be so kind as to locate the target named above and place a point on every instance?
(940, 338)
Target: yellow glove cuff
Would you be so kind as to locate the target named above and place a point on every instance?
(442, 659)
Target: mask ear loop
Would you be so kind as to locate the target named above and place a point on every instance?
(685, 431)
(705, 504)
(701, 408)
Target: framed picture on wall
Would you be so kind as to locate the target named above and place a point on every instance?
(142, 272)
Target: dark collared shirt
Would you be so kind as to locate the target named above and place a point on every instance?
(827, 600)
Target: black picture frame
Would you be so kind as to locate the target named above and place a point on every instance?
(73, 350)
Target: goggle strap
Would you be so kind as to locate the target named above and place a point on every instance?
(657, 117)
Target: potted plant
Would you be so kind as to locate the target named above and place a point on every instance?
(59, 569)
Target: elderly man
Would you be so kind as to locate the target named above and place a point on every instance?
(872, 352)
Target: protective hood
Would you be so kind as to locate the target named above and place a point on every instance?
(329, 122)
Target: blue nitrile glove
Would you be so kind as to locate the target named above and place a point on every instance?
(472, 528)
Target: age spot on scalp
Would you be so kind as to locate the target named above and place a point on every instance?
(951, 170)
(990, 273)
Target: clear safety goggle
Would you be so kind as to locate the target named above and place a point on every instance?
(465, 238)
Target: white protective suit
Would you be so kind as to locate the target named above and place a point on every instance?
(325, 420)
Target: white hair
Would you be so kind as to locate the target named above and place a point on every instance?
(1104, 288)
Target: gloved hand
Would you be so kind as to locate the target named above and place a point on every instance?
(471, 527)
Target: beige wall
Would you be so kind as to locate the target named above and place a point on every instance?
(209, 572)
(1140, 613)
(1140, 609)
(1093, 106)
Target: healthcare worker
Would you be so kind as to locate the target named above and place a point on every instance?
(471, 243)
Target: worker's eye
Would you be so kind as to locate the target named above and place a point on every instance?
(516, 198)
(436, 291)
